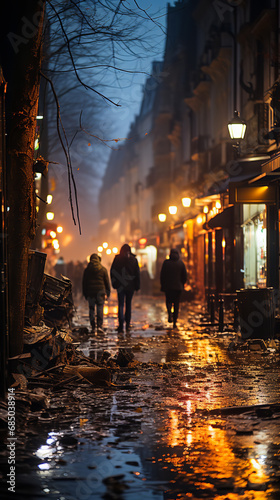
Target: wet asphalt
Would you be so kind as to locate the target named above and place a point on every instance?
(195, 415)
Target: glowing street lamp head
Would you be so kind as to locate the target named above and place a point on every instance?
(162, 217)
(186, 202)
(237, 127)
(59, 229)
(105, 244)
(50, 215)
(100, 249)
(172, 209)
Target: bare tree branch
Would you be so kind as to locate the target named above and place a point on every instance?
(67, 155)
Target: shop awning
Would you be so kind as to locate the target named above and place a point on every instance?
(243, 192)
(223, 219)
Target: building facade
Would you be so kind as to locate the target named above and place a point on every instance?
(220, 57)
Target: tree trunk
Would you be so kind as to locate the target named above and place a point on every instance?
(23, 90)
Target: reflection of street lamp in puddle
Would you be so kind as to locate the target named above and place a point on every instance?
(46, 451)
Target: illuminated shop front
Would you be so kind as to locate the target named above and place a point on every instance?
(255, 245)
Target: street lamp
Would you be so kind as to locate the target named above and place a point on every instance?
(186, 202)
(172, 209)
(162, 217)
(237, 127)
(50, 215)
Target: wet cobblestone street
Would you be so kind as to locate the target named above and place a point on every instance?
(190, 418)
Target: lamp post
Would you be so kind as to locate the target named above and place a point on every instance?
(237, 126)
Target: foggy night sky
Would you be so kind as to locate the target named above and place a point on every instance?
(89, 156)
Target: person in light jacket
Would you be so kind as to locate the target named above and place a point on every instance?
(173, 276)
(125, 278)
(96, 286)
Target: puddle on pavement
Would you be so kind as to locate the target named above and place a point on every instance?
(159, 450)
(157, 441)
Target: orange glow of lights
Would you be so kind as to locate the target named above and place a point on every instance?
(67, 239)
(205, 209)
(199, 219)
(114, 250)
(218, 205)
(108, 251)
(255, 464)
(145, 327)
(52, 234)
(189, 438)
(223, 243)
(59, 229)
(50, 215)
(55, 244)
(142, 241)
(105, 244)
(174, 431)
(105, 310)
(100, 249)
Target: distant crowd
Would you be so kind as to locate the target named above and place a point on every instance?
(71, 270)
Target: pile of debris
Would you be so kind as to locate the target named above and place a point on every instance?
(47, 298)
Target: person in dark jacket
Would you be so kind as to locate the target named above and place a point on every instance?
(96, 286)
(173, 276)
(125, 278)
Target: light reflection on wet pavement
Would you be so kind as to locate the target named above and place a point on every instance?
(157, 438)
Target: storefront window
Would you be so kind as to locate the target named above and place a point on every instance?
(255, 259)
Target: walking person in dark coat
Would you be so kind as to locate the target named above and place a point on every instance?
(125, 278)
(96, 286)
(173, 276)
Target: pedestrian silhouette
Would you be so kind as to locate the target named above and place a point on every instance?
(96, 286)
(125, 278)
(173, 276)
